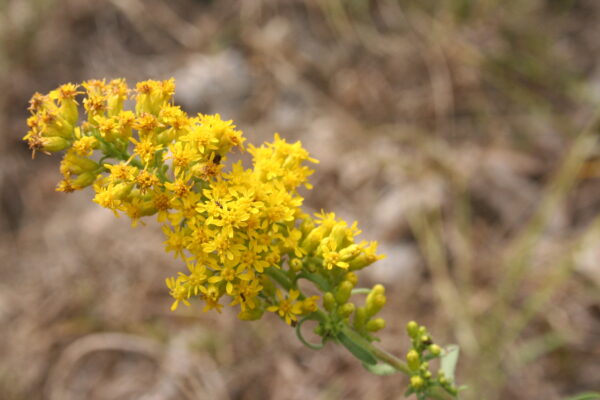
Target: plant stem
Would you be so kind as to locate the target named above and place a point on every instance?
(379, 353)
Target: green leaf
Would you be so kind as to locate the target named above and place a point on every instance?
(585, 396)
(356, 349)
(449, 360)
(381, 369)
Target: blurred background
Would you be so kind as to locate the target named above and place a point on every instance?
(462, 135)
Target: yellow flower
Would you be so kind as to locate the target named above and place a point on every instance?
(178, 292)
(286, 308)
(331, 258)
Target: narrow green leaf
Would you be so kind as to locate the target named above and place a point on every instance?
(449, 360)
(356, 349)
(381, 369)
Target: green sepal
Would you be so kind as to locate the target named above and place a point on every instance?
(356, 349)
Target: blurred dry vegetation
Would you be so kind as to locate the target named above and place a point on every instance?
(463, 135)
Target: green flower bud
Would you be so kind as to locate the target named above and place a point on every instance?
(54, 143)
(348, 253)
(360, 318)
(375, 325)
(295, 264)
(312, 240)
(85, 179)
(416, 382)
(435, 350)
(329, 301)
(338, 234)
(413, 359)
(352, 278)
(346, 310)
(412, 328)
(78, 165)
(343, 292)
(375, 304)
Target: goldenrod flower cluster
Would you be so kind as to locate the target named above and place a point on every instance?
(240, 231)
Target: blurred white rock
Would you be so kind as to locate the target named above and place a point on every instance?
(211, 83)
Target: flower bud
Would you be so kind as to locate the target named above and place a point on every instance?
(350, 252)
(312, 240)
(74, 164)
(412, 328)
(360, 318)
(295, 264)
(352, 278)
(435, 350)
(413, 360)
(54, 143)
(416, 382)
(329, 301)
(338, 234)
(343, 292)
(85, 179)
(375, 304)
(346, 310)
(375, 325)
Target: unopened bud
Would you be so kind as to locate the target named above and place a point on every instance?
(54, 143)
(360, 318)
(296, 264)
(338, 234)
(416, 382)
(312, 240)
(85, 179)
(343, 292)
(346, 310)
(352, 278)
(375, 304)
(435, 350)
(412, 328)
(375, 325)
(329, 301)
(413, 360)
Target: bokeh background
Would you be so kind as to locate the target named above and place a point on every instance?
(462, 135)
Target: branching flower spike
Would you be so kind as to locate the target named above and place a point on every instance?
(240, 231)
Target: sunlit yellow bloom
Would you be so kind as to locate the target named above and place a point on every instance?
(287, 308)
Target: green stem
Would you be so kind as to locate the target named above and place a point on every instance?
(379, 353)
(280, 277)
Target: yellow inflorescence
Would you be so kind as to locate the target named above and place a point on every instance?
(240, 231)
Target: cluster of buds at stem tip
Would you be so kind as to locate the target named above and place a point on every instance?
(423, 350)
